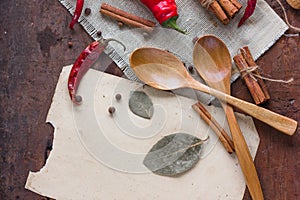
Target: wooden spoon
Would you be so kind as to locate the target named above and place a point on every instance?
(213, 62)
(162, 70)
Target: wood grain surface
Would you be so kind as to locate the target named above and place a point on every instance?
(34, 38)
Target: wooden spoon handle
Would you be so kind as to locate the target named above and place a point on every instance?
(279, 122)
(243, 155)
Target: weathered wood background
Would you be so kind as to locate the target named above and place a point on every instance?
(33, 48)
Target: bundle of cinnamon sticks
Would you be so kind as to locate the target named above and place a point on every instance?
(127, 18)
(224, 10)
(246, 65)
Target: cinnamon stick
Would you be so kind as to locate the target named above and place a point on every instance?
(250, 61)
(224, 10)
(216, 9)
(228, 7)
(237, 4)
(127, 18)
(215, 126)
(253, 86)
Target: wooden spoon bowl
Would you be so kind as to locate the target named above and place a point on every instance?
(159, 68)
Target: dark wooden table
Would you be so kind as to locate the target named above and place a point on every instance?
(34, 38)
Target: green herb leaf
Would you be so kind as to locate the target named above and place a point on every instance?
(174, 154)
(141, 105)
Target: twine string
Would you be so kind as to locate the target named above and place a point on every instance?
(206, 3)
(286, 18)
(251, 72)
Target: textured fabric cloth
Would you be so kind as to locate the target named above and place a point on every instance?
(259, 32)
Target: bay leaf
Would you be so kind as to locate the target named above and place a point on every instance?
(174, 154)
(141, 104)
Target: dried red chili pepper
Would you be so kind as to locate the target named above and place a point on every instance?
(251, 4)
(165, 11)
(77, 13)
(84, 61)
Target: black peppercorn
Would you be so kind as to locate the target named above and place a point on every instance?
(120, 24)
(111, 110)
(118, 97)
(87, 11)
(195, 39)
(191, 68)
(78, 98)
(70, 44)
(99, 33)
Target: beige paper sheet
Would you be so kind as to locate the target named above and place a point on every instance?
(96, 156)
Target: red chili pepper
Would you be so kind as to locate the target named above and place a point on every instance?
(84, 61)
(248, 11)
(77, 13)
(165, 11)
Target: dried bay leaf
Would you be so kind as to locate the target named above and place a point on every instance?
(141, 104)
(174, 154)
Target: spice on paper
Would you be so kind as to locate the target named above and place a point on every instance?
(174, 154)
(141, 104)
